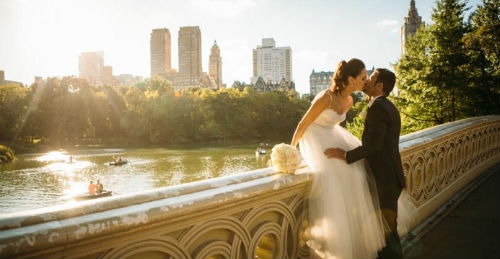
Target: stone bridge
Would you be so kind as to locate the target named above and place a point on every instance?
(256, 214)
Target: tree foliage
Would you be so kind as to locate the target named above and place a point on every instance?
(69, 111)
(448, 70)
(482, 43)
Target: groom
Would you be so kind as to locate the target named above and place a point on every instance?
(380, 147)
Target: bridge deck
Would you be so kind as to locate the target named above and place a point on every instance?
(471, 230)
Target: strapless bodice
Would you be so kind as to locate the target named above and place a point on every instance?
(329, 118)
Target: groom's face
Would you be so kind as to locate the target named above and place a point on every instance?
(370, 84)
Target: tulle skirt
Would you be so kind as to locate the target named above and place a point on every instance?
(344, 213)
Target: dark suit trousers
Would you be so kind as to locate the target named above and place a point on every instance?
(388, 199)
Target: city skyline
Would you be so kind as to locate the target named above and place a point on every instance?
(45, 38)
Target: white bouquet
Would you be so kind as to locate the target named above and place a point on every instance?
(285, 158)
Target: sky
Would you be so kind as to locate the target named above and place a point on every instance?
(45, 37)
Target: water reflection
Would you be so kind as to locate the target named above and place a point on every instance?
(54, 156)
(72, 188)
(66, 168)
(41, 180)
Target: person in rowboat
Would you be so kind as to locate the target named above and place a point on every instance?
(99, 187)
(92, 188)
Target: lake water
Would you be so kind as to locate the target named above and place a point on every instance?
(41, 180)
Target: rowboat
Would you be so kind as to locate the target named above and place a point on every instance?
(118, 162)
(87, 196)
(260, 151)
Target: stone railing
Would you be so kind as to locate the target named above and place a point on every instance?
(257, 214)
(439, 161)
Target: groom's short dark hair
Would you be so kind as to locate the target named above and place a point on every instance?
(388, 79)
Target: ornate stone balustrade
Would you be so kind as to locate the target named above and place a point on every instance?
(257, 214)
(439, 161)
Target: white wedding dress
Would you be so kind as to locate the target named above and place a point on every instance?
(343, 205)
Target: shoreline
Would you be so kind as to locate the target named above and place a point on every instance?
(23, 148)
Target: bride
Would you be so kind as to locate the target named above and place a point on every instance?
(343, 204)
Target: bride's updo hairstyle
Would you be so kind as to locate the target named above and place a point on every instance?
(344, 71)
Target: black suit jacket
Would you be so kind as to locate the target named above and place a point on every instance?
(380, 145)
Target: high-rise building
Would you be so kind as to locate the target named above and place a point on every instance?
(160, 52)
(271, 63)
(107, 76)
(189, 56)
(410, 26)
(91, 66)
(215, 65)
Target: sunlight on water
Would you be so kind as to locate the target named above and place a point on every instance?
(54, 156)
(43, 180)
(68, 167)
(207, 167)
(73, 188)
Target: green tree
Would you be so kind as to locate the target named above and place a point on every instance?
(431, 82)
(355, 117)
(134, 120)
(67, 110)
(12, 107)
(483, 48)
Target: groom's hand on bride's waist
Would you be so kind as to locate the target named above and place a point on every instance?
(335, 153)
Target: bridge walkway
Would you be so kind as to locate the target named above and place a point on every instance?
(471, 229)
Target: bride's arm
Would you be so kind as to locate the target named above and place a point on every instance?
(316, 108)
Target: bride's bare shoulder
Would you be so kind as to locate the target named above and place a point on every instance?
(328, 95)
(323, 99)
(321, 95)
(328, 92)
